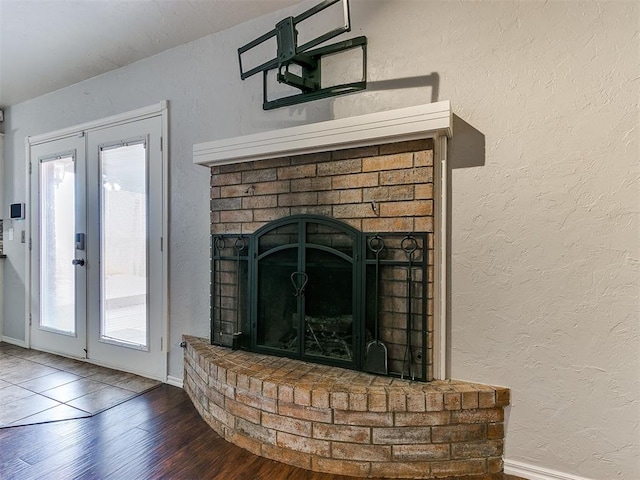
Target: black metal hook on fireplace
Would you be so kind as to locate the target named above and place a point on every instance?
(297, 285)
(240, 244)
(376, 244)
(409, 245)
(219, 244)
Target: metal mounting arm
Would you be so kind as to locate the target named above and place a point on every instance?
(309, 61)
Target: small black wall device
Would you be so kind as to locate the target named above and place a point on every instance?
(17, 211)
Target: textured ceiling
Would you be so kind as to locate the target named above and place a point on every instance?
(49, 44)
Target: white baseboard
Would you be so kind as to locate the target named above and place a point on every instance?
(14, 341)
(175, 381)
(533, 472)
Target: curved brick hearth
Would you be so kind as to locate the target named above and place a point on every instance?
(333, 420)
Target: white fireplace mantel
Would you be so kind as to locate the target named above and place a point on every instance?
(433, 120)
(410, 123)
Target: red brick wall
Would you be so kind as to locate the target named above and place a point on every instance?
(385, 188)
(380, 188)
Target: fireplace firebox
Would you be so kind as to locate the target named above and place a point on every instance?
(316, 289)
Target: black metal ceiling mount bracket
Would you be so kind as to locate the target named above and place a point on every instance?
(307, 61)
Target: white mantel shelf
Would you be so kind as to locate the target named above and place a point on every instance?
(411, 123)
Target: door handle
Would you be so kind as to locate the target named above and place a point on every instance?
(77, 261)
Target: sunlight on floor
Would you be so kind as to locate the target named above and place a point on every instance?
(38, 387)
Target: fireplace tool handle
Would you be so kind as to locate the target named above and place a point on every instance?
(409, 245)
(376, 245)
(240, 246)
(376, 353)
(219, 246)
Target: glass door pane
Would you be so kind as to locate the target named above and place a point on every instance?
(123, 231)
(328, 306)
(278, 308)
(57, 247)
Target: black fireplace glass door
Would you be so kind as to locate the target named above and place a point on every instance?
(277, 326)
(305, 290)
(328, 322)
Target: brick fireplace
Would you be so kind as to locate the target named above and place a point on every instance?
(384, 190)
(381, 175)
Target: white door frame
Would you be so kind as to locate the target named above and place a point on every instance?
(68, 147)
(161, 109)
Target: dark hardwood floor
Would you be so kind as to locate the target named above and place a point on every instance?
(158, 435)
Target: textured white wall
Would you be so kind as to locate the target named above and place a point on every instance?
(545, 235)
(545, 231)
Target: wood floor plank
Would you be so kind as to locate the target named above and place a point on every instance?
(88, 460)
(112, 423)
(12, 467)
(149, 460)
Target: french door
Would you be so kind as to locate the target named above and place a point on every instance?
(97, 263)
(59, 287)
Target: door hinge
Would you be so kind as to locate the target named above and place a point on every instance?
(161, 343)
(161, 144)
(162, 244)
(30, 164)
(29, 243)
(30, 318)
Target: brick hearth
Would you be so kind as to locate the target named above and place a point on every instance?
(339, 421)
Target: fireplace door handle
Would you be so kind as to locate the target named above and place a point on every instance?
(299, 281)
